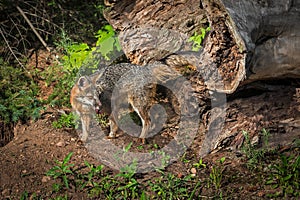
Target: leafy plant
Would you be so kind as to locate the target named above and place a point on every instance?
(216, 174)
(107, 42)
(198, 38)
(200, 164)
(286, 175)
(66, 121)
(127, 186)
(93, 173)
(102, 119)
(170, 187)
(253, 154)
(76, 55)
(62, 170)
(18, 93)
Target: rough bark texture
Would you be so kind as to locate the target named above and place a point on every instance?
(151, 30)
(250, 40)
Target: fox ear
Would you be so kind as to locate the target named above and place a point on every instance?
(82, 82)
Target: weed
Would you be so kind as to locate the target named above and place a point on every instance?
(128, 186)
(62, 170)
(286, 175)
(165, 160)
(200, 164)
(198, 38)
(18, 93)
(66, 121)
(216, 174)
(107, 43)
(65, 197)
(253, 154)
(171, 187)
(93, 172)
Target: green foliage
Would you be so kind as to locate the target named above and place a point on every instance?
(286, 175)
(62, 171)
(78, 55)
(18, 94)
(66, 121)
(128, 187)
(216, 174)
(170, 187)
(198, 38)
(200, 164)
(107, 41)
(253, 154)
(91, 176)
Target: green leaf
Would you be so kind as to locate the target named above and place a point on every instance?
(67, 158)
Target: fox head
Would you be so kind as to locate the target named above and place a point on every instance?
(84, 97)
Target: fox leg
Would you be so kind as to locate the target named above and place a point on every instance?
(113, 127)
(146, 122)
(86, 122)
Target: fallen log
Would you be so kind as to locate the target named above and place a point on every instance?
(249, 41)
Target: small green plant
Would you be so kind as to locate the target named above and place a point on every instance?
(128, 186)
(65, 197)
(286, 175)
(198, 38)
(170, 186)
(216, 174)
(93, 173)
(107, 42)
(253, 154)
(18, 95)
(165, 160)
(66, 121)
(62, 170)
(200, 164)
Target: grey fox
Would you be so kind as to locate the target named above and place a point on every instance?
(115, 87)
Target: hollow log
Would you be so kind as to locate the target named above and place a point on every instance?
(249, 41)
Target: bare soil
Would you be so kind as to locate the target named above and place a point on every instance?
(36, 146)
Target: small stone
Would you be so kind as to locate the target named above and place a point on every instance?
(60, 144)
(255, 140)
(73, 139)
(45, 179)
(193, 171)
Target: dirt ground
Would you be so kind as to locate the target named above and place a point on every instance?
(36, 145)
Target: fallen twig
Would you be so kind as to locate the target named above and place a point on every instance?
(10, 49)
(33, 29)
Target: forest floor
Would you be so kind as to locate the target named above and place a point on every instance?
(37, 145)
